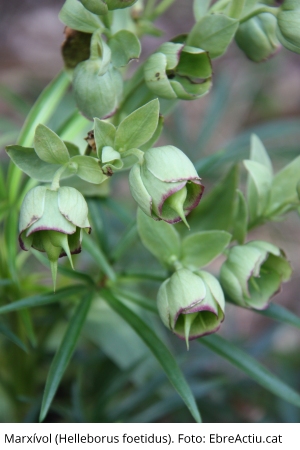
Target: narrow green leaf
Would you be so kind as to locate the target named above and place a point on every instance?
(43, 299)
(251, 367)
(199, 249)
(12, 337)
(241, 219)
(64, 354)
(76, 16)
(49, 147)
(125, 242)
(44, 107)
(281, 314)
(124, 46)
(96, 252)
(160, 238)
(259, 154)
(159, 350)
(213, 33)
(89, 169)
(137, 128)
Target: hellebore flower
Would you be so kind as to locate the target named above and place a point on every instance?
(51, 221)
(178, 71)
(191, 304)
(288, 25)
(253, 273)
(97, 84)
(165, 184)
(257, 37)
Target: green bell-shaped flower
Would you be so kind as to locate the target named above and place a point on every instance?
(288, 25)
(178, 71)
(257, 37)
(97, 84)
(191, 304)
(52, 221)
(165, 184)
(253, 273)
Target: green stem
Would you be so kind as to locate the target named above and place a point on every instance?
(56, 178)
(98, 255)
(236, 8)
(149, 8)
(161, 8)
(260, 9)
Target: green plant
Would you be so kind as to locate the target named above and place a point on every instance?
(128, 121)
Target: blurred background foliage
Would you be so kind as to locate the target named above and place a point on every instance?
(112, 375)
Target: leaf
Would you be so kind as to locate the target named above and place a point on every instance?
(28, 161)
(217, 209)
(199, 249)
(12, 337)
(241, 219)
(76, 16)
(105, 133)
(89, 169)
(259, 185)
(99, 257)
(43, 299)
(259, 154)
(49, 147)
(200, 8)
(138, 127)
(213, 33)
(124, 46)
(159, 350)
(156, 135)
(64, 354)
(251, 367)
(160, 238)
(284, 187)
(72, 149)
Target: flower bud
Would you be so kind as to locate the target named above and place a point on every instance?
(98, 7)
(257, 37)
(97, 84)
(178, 71)
(119, 4)
(165, 184)
(191, 304)
(51, 221)
(288, 21)
(253, 273)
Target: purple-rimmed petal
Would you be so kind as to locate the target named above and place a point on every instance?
(32, 207)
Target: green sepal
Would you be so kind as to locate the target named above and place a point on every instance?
(104, 133)
(49, 147)
(119, 4)
(288, 22)
(259, 187)
(76, 16)
(213, 33)
(200, 8)
(89, 169)
(137, 128)
(97, 7)
(199, 249)
(124, 46)
(160, 238)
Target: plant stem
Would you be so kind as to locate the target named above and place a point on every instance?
(161, 8)
(258, 10)
(98, 255)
